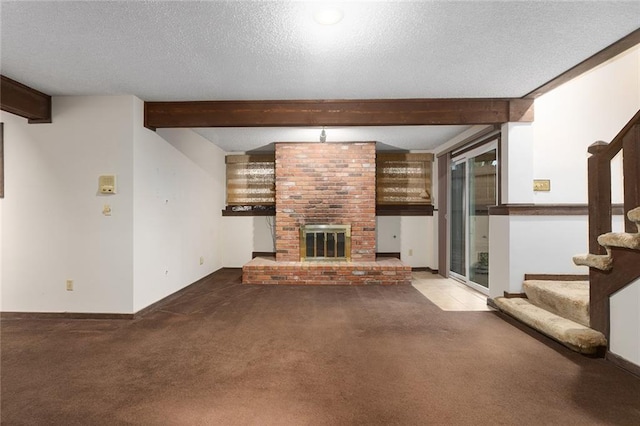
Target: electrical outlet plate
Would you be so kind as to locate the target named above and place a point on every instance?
(542, 185)
(69, 285)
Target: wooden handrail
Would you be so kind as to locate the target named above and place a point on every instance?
(612, 149)
(599, 169)
(604, 283)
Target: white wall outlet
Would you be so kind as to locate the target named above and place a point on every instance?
(410, 252)
(202, 260)
(69, 285)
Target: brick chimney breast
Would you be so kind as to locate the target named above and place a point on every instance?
(326, 183)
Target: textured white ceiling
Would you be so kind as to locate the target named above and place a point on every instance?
(244, 50)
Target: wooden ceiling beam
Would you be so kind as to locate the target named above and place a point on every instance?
(24, 101)
(369, 112)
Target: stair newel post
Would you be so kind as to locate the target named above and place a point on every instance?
(631, 170)
(599, 170)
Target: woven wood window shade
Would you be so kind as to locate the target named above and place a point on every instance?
(251, 180)
(403, 179)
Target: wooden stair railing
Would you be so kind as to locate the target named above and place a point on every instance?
(627, 262)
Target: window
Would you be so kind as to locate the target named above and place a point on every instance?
(403, 179)
(251, 180)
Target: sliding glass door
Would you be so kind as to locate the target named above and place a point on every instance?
(473, 191)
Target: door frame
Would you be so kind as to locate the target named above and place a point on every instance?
(489, 135)
(465, 157)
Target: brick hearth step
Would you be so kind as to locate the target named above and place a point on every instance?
(575, 336)
(266, 270)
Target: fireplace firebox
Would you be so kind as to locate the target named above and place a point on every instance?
(325, 242)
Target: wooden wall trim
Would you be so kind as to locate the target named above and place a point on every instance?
(24, 101)
(395, 255)
(631, 173)
(621, 362)
(556, 277)
(485, 134)
(625, 43)
(443, 208)
(173, 296)
(367, 112)
(404, 210)
(267, 212)
(381, 210)
(64, 315)
(546, 210)
(104, 316)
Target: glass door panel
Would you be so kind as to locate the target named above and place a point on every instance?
(457, 227)
(482, 194)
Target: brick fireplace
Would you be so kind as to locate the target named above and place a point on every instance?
(325, 184)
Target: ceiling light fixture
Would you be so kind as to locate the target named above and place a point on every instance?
(328, 16)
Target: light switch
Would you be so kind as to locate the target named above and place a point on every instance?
(542, 185)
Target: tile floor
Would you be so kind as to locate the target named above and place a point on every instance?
(449, 294)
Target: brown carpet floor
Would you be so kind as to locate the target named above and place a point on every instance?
(225, 353)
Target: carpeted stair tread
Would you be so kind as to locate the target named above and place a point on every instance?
(634, 216)
(568, 299)
(620, 239)
(627, 240)
(604, 262)
(571, 334)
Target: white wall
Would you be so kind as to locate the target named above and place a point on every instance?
(594, 106)
(516, 163)
(53, 228)
(625, 323)
(522, 245)
(414, 237)
(242, 235)
(263, 237)
(237, 237)
(178, 197)
(164, 216)
(416, 240)
(499, 256)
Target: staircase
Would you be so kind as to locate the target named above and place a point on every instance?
(560, 309)
(576, 313)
